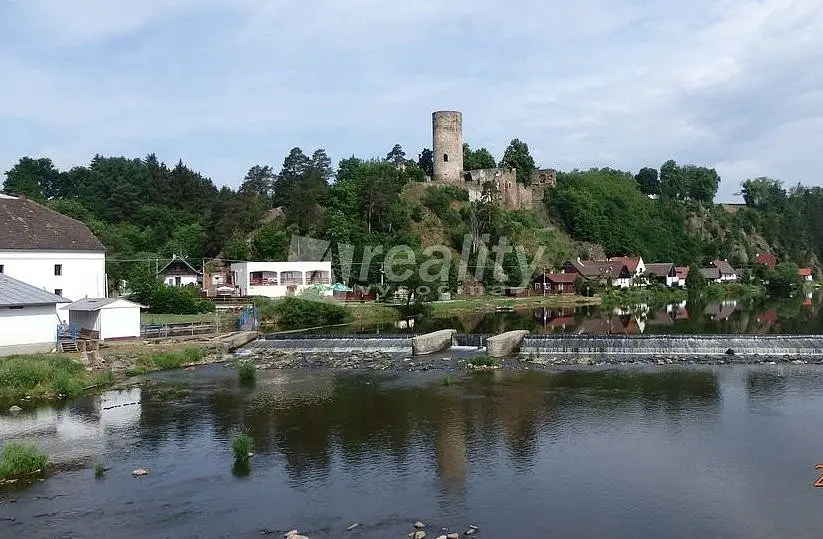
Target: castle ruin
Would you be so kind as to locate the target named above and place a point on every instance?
(447, 149)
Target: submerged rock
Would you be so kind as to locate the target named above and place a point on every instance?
(140, 472)
(419, 525)
(353, 526)
(15, 409)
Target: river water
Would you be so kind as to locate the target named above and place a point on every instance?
(799, 316)
(720, 452)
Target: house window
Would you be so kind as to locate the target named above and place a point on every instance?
(58, 269)
(58, 291)
(445, 158)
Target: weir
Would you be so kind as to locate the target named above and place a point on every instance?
(401, 344)
(674, 345)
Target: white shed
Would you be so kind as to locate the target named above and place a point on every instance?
(112, 318)
(28, 317)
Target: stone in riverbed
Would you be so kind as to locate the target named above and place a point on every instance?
(140, 472)
(15, 409)
(353, 526)
(419, 534)
(453, 536)
(419, 525)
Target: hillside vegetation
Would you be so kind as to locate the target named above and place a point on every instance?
(143, 209)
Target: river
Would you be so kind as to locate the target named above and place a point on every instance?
(721, 452)
(801, 316)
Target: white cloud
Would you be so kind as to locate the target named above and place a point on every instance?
(732, 84)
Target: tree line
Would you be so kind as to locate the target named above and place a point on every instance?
(143, 209)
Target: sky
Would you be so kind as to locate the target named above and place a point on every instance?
(227, 84)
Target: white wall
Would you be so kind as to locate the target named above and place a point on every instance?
(184, 280)
(119, 322)
(83, 273)
(242, 271)
(28, 326)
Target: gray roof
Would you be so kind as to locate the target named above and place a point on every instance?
(659, 269)
(28, 225)
(95, 304)
(177, 260)
(710, 273)
(14, 293)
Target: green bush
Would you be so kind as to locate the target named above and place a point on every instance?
(294, 313)
(21, 459)
(99, 471)
(242, 445)
(163, 299)
(246, 372)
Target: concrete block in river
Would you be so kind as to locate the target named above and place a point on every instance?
(433, 342)
(504, 344)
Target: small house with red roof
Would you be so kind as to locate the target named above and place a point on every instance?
(766, 259)
(806, 274)
(554, 283)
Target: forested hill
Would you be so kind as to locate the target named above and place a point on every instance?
(143, 209)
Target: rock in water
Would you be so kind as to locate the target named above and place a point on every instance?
(140, 471)
(419, 534)
(453, 536)
(15, 409)
(419, 525)
(353, 526)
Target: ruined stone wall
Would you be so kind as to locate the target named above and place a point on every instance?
(447, 143)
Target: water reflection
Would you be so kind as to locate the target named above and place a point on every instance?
(336, 447)
(726, 316)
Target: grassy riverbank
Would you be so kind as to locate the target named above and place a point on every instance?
(490, 303)
(47, 377)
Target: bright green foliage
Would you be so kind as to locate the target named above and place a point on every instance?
(46, 376)
(477, 159)
(246, 372)
(293, 312)
(242, 446)
(604, 206)
(21, 459)
(165, 361)
(517, 156)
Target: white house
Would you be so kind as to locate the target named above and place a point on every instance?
(178, 272)
(28, 317)
(279, 279)
(663, 272)
(111, 318)
(50, 251)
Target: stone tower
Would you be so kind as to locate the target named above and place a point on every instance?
(447, 144)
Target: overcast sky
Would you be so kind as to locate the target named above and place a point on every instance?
(225, 84)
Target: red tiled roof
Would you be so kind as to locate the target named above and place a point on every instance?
(631, 262)
(805, 272)
(682, 271)
(562, 277)
(767, 259)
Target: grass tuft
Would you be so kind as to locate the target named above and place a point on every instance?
(242, 445)
(484, 361)
(21, 459)
(99, 471)
(447, 380)
(162, 361)
(246, 372)
(42, 376)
